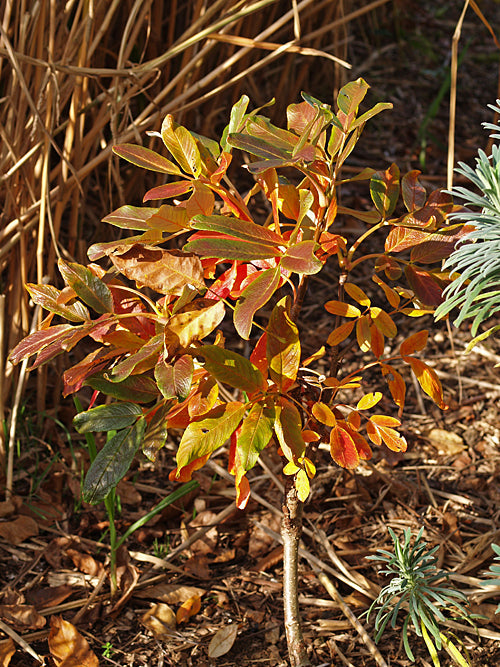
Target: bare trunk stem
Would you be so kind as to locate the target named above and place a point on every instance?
(291, 529)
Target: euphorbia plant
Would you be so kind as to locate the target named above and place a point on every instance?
(203, 257)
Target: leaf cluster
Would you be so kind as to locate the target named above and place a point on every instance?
(202, 257)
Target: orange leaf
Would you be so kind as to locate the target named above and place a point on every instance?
(390, 294)
(323, 414)
(341, 308)
(310, 436)
(369, 400)
(428, 380)
(242, 492)
(67, 646)
(414, 343)
(354, 420)
(343, 448)
(385, 420)
(362, 447)
(377, 342)
(397, 385)
(378, 430)
(189, 608)
(340, 333)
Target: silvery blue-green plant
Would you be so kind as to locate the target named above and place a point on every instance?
(476, 291)
(418, 590)
(494, 571)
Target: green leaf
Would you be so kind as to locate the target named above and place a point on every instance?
(232, 368)
(112, 462)
(351, 95)
(49, 297)
(131, 217)
(182, 145)
(255, 434)
(205, 436)
(229, 249)
(91, 289)
(380, 106)
(156, 433)
(384, 190)
(259, 147)
(240, 229)
(235, 121)
(146, 158)
(283, 346)
(288, 429)
(137, 388)
(253, 297)
(111, 417)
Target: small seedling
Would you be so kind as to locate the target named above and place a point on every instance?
(420, 592)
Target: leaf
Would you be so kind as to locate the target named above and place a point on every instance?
(188, 608)
(323, 414)
(302, 485)
(139, 362)
(369, 401)
(169, 219)
(67, 646)
(376, 341)
(300, 258)
(19, 529)
(168, 191)
(254, 434)
(389, 436)
(253, 297)
(110, 417)
(428, 380)
(380, 106)
(165, 271)
(175, 381)
(205, 436)
(414, 343)
(363, 333)
(160, 620)
(202, 201)
(390, 294)
(229, 249)
(232, 368)
(438, 246)
(197, 320)
(7, 650)
(384, 190)
(131, 217)
(340, 333)
(427, 290)
(357, 294)
(370, 217)
(236, 119)
(343, 448)
(396, 384)
(383, 322)
(156, 433)
(351, 95)
(39, 340)
(136, 388)
(50, 298)
(287, 426)
(240, 229)
(223, 640)
(283, 346)
(413, 192)
(182, 145)
(112, 462)
(343, 309)
(146, 158)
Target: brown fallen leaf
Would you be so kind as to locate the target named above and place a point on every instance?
(160, 619)
(67, 646)
(223, 640)
(48, 596)
(22, 617)
(446, 442)
(198, 567)
(169, 593)
(128, 493)
(85, 562)
(19, 529)
(188, 608)
(7, 650)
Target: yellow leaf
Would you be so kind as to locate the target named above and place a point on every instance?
(302, 485)
(428, 380)
(357, 294)
(383, 322)
(323, 414)
(188, 608)
(309, 467)
(369, 400)
(291, 468)
(363, 334)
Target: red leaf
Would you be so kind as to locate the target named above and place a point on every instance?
(343, 448)
(253, 297)
(413, 192)
(168, 190)
(300, 258)
(426, 288)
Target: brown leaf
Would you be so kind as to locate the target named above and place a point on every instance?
(48, 596)
(198, 567)
(223, 640)
(160, 619)
(128, 493)
(7, 650)
(170, 593)
(188, 608)
(19, 529)
(85, 562)
(67, 646)
(7, 508)
(22, 617)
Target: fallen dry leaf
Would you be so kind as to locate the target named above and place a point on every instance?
(19, 529)
(170, 593)
(7, 650)
(188, 608)
(67, 646)
(48, 596)
(128, 493)
(223, 640)
(160, 619)
(198, 567)
(85, 562)
(22, 617)
(446, 442)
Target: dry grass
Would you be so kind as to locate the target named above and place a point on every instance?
(78, 76)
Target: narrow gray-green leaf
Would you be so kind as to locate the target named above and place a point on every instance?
(111, 417)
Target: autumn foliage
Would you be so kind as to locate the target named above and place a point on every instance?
(203, 257)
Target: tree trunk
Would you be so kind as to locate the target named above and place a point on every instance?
(291, 529)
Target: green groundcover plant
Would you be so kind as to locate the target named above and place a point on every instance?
(154, 307)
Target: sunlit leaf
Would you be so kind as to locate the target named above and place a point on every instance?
(363, 333)
(253, 297)
(343, 448)
(287, 426)
(369, 401)
(67, 646)
(254, 434)
(146, 158)
(168, 191)
(143, 360)
(341, 308)
(340, 333)
(283, 346)
(323, 414)
(107, 417)
(377, 341)
(174, 381)
(197, 320)
(396, 384)
(131, 217)
(182, 145)
(50, 298)
(300, 258)
(428, 380)
(230, 249)
(38, 340)
(357, 294)
(232, 368)
(414, 343)
(383, 322)
(91, 289)
(240, 229)
(302, 485)
(384, 190)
